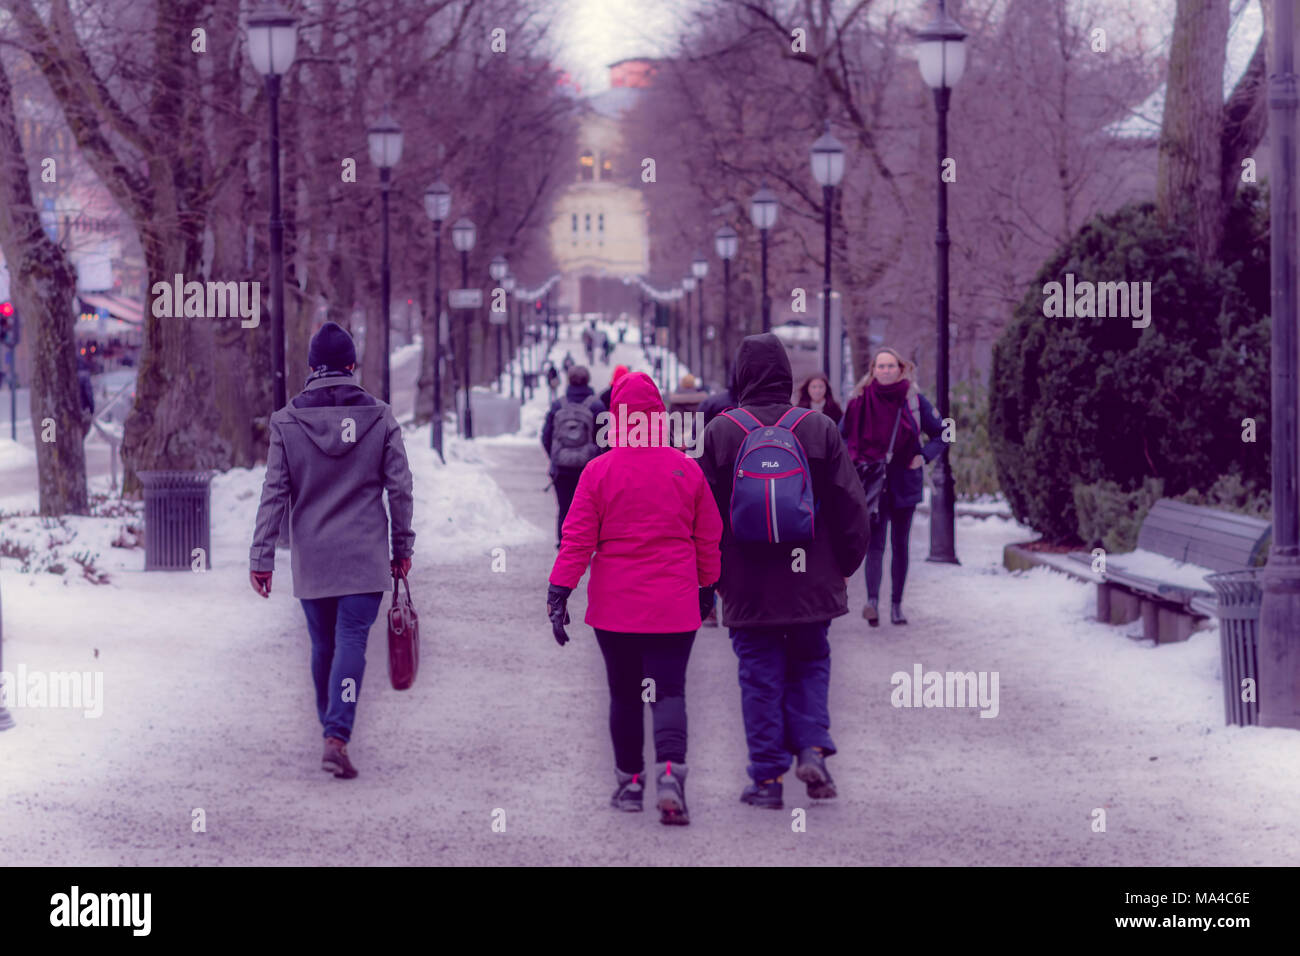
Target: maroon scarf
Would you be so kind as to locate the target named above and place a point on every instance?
(871, 427)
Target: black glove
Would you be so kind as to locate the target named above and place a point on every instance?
(706, 600)
(557, 597)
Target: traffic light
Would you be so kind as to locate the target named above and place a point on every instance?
(8, 324)
(538, 305)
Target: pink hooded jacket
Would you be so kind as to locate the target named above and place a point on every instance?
(646, 512)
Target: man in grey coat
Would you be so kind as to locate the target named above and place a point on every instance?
(335, 449)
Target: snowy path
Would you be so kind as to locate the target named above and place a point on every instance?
(218, 716)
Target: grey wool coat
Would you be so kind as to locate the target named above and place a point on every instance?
(335, 450)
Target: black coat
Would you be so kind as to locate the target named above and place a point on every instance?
(760, 585)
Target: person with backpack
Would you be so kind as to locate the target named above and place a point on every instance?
(884, 422)
(569, 437)
(794, 530)
(647, 515)
(335, 449)
(552, 380)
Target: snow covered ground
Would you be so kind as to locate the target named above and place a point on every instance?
(207, 706)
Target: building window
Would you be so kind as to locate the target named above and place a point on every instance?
(588, 222)
(587, 167)
(575, 222)
(608, 167)
(601, 224)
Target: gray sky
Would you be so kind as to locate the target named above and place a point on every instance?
(596, 33)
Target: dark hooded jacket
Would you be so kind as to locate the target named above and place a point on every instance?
(769, 585)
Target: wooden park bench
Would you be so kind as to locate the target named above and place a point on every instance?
(1171, 598)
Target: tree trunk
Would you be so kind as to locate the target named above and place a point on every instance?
(43, 284)
(1188, 176)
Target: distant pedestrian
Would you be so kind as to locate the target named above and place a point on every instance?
(685, 402)
(552, 380)
(644, 518)
(569, 437)
(885, 396)
(568, 362)
(815, 393)
(86, 393)
(607, 396)
(589, 344)
(335, 450)
(719, 402)
(779, 595)
(606, 347)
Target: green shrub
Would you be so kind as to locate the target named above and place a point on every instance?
(1077, 401)
(1229, 493)
(974, 471)
(1110, 517)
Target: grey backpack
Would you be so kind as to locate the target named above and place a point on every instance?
(573, 439)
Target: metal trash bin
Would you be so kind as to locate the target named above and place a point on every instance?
(177, 519)
(1239, 602)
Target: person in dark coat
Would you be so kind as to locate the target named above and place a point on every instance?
(779, 600)
(815, 393)
(565, 480)
(884, 394)
(335, 450)
(607, 396)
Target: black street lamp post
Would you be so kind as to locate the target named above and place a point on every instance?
(725, 242)
(437, 204)
(700, 269)
(497, 269)
(828, 169)
(385, 150)
(272, 45)
(463, 235)
(762, 213)
(941, 54)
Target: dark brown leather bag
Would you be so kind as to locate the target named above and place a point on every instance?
(403, 636)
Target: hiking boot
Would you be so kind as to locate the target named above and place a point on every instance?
(766, 794)
(335, 759)
(671, 786)
(812, 771)
(871, 611)
(896, 613)
(631, 788)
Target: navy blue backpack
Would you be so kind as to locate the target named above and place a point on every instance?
(771, 486)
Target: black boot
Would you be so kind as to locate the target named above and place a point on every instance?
(896, 613)
(871, 612)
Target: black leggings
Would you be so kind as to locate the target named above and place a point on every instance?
(629, 659)
(898, 522)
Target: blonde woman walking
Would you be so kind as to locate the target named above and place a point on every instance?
(884, 421)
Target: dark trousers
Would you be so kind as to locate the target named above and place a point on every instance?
(566, 483)
(339, 627)
(898, 523)
(629, 659)
(785, 677)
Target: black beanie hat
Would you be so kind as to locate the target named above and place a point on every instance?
(331, 347)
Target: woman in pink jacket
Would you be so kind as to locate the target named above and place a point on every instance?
(644, 519)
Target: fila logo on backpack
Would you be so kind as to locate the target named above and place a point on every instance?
(771, 490)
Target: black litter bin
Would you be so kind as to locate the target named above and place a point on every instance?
(1239, 603)
(177, 519)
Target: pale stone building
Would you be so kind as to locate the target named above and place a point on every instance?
(599, 233)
